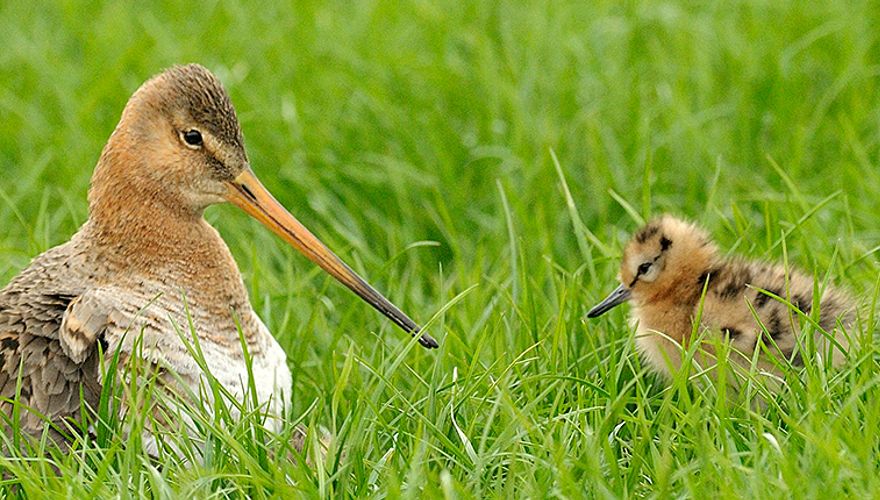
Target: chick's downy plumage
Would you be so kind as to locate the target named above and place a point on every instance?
(669, 262)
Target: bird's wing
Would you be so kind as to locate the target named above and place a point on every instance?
(48, 357)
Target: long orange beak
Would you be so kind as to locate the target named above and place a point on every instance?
(248, 193)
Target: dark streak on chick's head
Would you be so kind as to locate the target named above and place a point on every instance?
(647, 231)
(666, 254)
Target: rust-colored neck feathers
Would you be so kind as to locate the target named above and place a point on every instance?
(149, 189)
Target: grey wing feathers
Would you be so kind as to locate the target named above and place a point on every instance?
(50, 382)
(48, 327)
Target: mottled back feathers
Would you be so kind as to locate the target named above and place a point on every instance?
(674, 274)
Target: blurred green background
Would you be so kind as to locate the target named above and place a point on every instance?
(418, 140)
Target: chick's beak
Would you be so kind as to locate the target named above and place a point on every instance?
(248, 193)
(620, 295)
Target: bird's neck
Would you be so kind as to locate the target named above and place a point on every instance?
(183, 253)
(140, 224)
(124, 188)
(132, 210)
(138, 232)
(148, 234)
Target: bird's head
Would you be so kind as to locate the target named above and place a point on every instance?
(179, 147)
(662, 260)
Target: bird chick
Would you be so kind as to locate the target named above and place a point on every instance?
(674, 276)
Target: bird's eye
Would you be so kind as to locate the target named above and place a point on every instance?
(644, 267)
(193, 138)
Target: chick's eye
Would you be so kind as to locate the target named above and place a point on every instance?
(644, 267)
(193, 138)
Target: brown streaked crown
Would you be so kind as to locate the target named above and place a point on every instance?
(665, 253)
(147, 158)
(196, 91)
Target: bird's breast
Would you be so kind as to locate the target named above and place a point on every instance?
(271, 381)
(185, 338)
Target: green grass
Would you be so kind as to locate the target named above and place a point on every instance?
(482, 164)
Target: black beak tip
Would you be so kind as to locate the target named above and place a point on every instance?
(620, 295)
(415, 330)
(594, 313)
(428, 342)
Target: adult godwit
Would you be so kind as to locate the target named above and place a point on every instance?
(146, 260)
(669, 263)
